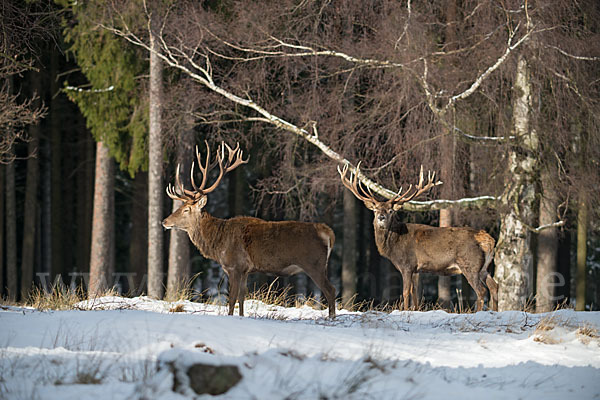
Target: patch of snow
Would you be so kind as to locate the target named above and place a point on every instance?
(113, 347)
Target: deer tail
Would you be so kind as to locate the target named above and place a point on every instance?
(487, 245)
(326, 233)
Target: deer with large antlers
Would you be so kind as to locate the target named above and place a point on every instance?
(243, 245)
(415, 248)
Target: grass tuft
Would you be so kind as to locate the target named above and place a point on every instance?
(183, 290)
(60, 297)
(177, 308)
(587, 332)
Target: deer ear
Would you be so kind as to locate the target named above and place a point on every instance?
(202, 202)
(370, 205)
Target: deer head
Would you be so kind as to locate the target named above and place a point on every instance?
(384, 210)
(195, 200)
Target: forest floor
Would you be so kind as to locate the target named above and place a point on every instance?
(120, 348)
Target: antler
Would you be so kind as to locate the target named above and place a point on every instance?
(419, 189)
(356, 187)
(184, 195)
(233, 160)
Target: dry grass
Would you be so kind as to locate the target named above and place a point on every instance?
(271, 294)
(546, 330)
(59, 297)
(543, 332)
(183, 290)
(587, 332)
(177, 308)
(204, 348)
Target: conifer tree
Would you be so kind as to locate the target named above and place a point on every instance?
(114, 110)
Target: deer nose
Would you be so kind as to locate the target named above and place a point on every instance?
(381, 217)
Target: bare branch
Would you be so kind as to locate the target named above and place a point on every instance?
(477, 83)
(564, 53)
(170, 56)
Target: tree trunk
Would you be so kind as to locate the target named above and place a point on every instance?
(55, 171)
(2, 264)
(46, 205)
(444, 282)
(155, 182)
(371, 258)
(447, 175)
(11, 234)
(582, 223)
(179, 244)
(83, 201)
(547, 248)
(349, 249)
(138, 248)
(101, 256)
(513, 259)
(69, 164)
(448, 150)
(30, 212)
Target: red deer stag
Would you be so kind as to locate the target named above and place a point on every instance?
(243, 245)
(415, 248)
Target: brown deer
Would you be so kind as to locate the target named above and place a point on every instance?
(243, 245)
(415, 248)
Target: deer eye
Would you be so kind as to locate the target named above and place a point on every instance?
(186, 210)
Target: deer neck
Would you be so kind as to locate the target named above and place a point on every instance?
(208, 235)
(391, 237)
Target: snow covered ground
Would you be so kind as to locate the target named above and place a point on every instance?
(111, 348)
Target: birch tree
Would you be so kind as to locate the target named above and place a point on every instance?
(514, 258)
(155, 171)
(392, 50)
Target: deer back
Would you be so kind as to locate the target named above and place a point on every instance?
(273, 246)
(431, 249)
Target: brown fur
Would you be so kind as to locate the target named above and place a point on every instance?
(415, 248)
(244, 245)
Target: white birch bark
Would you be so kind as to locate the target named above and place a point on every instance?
(514, 256)
(155, 181)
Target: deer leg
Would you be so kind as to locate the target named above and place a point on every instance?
(415, 291)
(242, 292)
(478, 287)
(493, 287)
(320, 279)
(407, 288)
(234, 285)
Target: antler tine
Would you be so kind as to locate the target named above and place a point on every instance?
(204, 169)
(236, 154)
(171, 193)
(171, 190)
(355, 185)
(187, 193)
(192, 178)
(419, 189)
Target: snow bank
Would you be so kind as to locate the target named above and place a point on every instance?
(112, 347)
